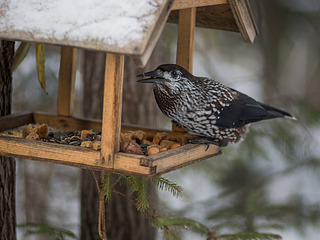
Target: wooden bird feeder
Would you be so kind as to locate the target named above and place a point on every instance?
(107, 34)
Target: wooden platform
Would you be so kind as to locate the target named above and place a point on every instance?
(147, 166)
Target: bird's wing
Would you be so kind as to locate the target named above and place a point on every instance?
(242, 111)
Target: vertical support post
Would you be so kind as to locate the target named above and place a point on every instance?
(185, 46)
(67, 75)
(112, 105)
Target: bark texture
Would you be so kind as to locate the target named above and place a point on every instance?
(139, 107)
(7, 165)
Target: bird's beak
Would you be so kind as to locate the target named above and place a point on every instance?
(151, 77)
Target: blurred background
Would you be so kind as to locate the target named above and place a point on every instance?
(267, 183)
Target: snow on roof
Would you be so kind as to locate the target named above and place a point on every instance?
(109, 25)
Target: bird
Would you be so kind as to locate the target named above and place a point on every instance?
(206, 107)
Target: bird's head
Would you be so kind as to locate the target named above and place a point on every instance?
(169, 78)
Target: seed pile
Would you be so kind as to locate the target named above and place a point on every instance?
(133, 142)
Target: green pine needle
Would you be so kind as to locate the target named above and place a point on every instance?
(182, 223)
(107, 186)
(166, 184)
(142, 195)
(249, 236)
(169, 234)
(47, 230)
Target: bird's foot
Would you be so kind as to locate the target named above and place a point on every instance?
(204, 141)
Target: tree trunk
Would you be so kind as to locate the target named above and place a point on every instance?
(139, 107)
(7, 165)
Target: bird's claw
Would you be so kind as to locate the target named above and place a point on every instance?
(204, 141)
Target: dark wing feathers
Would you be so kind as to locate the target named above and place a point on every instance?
(244, 110)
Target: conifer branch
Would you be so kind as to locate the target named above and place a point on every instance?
(182, 223)
(248, 236)
(165, 184)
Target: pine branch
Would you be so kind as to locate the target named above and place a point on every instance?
(142, 195)
(131, 182)
(182, 223)
(167, 185)
(106, 188)
(248, 236)
(169, 234)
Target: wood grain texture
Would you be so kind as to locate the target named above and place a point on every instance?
(66, 123)
(15, 120)
(185, 45)
(182, 4)
(243, 17)
(67, 76)
(132, 164)
(215, 17)
(112, 106)
(50, 152)
(179, 157)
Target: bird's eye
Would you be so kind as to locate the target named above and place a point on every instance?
(174, 74)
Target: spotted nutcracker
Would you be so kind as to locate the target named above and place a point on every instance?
(206, 107)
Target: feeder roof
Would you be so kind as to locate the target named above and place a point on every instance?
(121, 26)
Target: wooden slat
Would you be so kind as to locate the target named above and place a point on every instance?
(50, 152)
(244, 19)
(182, 4)
(185, 45)
(131, 163)
(15, 120)
(216, 17)
(67, 123)
(182, 156)
(67, 75)
(112, 106)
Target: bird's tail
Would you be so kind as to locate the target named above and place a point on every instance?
(275, 112)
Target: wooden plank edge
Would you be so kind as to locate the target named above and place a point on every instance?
(183, 4)
(15, 120)
(150, 42)
(64, 154)
(171, 160)
(67, 76)
(244, 19)
(67, 123)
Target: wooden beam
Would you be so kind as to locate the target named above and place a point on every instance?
(215, 17)
(49, 152)
(112, 106)
(15, 120)
(185, 46)
(182, 156)
(182, 4)
(67, 75)
(67, 123)
(243, 17)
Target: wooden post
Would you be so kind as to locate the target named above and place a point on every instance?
(187, 22)
(185, 46)
(112, 105)
(67, 75)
